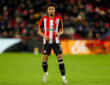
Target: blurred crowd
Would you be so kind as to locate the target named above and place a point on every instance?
(83, 19)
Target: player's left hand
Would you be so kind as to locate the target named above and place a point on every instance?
(57, 34)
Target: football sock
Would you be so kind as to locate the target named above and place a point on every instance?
(63, 77)
(61, 66)
(45, 66)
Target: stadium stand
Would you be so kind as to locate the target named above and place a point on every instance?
(83, 19)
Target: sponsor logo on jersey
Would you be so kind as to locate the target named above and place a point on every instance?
(51, 30)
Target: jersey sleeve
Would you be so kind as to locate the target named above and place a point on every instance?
(41, 24)
(60, 24)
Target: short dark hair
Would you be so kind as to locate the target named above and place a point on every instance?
(52, 4)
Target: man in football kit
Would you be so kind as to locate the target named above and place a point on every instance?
(50, 28)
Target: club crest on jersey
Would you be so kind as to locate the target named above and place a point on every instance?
(56, 21)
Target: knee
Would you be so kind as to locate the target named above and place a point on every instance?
(60, 59)
(59, 56)
(45, 58)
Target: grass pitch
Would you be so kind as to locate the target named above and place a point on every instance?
(26, 69)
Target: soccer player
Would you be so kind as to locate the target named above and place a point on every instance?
(50, 28)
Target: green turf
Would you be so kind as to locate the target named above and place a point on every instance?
(26, 69)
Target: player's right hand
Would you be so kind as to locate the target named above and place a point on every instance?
(46, 37)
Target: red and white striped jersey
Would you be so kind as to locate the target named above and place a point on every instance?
(50, 26)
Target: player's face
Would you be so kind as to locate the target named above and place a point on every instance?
(51, 10)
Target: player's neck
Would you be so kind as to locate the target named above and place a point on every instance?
(51, 16)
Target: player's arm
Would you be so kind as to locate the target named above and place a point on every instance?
(60, 27)
(42, 34)
(40, 30)
(60, 32)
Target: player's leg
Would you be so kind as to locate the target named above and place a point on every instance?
(58, 51)
(45, 67)
(61, 67)
(61, 64)
(44, 63)
(46, 53)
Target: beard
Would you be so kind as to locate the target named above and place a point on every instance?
(51, 14)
